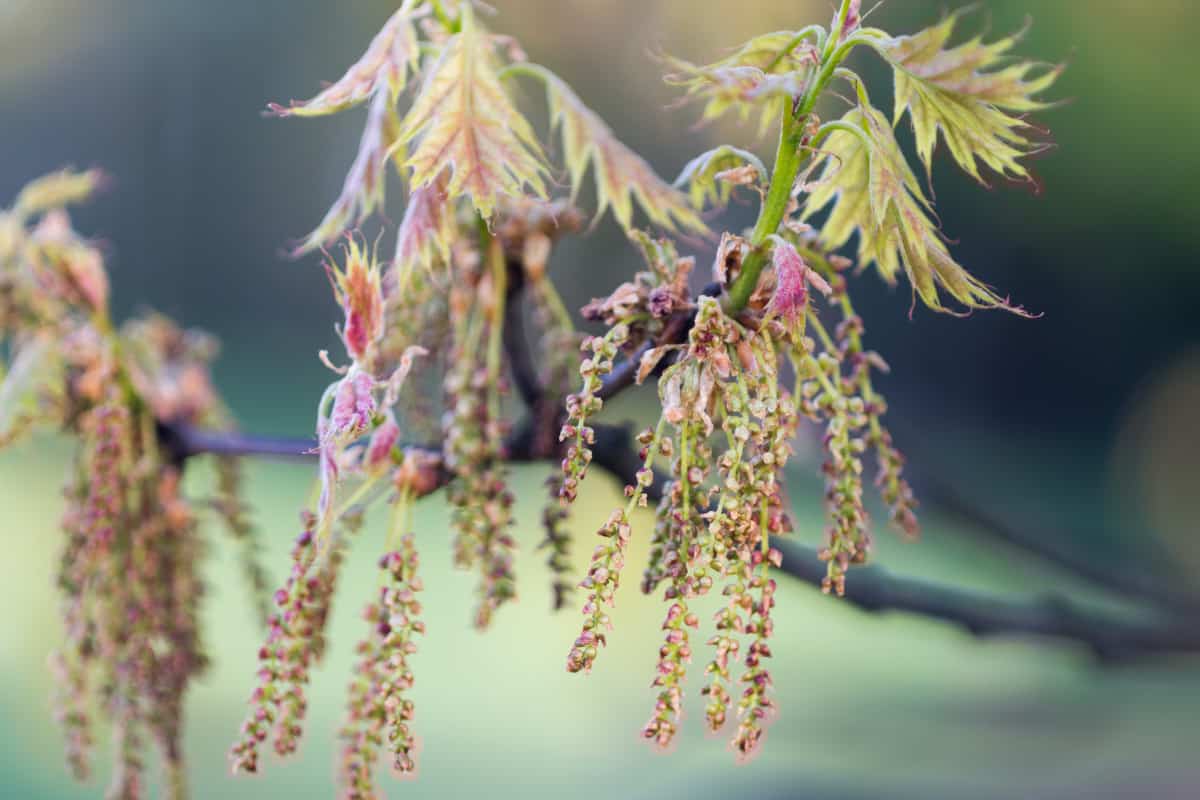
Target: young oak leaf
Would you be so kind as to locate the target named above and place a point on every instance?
(622, 176)
(758, 77)
(743, 89)
(363, 189)
(56, 190)
(32, 389)
(463, 120)
(776, 52)
(380, 76)
(792, 279)
(874, 192)
(970, 94)
(358, 287)
(384, 68)
(711, 177)
(427, 229)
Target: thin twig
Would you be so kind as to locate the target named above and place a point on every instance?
(1110, 638)
(516, 348)
(184, 441)
(1047, 546)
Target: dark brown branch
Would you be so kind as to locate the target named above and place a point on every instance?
(516, 348)
(1109, 638)
(1131, 583)
(184, 441)
(871, 589)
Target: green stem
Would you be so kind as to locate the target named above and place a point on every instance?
(451, 25)
(789, 158)
(787, 166)
(651, 452)
(822, 378)
(359, 494)
(822, 333)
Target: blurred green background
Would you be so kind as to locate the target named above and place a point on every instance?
(1081, 423)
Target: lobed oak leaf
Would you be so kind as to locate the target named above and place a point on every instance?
(874, 192)
(363, 189)
(970, 95)
(667, 269)
(427, 229)
(383, 69)
(743, 89)
(463, 121)
(758, 77)
(622, 176)
(32, 387)
(58, 189)
(710, 177)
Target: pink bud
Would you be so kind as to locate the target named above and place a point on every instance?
(853, 18)
(379, 451)
(359, 288)
(353, 405)
(792, 279)
(791, 292)
(86, 269)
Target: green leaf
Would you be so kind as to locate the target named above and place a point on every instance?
(874, 192)
(32, 389)
(970, 94)
(711, 177)
(56, 190)
(757, 78)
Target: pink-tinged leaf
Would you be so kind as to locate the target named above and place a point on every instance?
(328, 468)
(383, 70)
(651, 359)
(382, 445)
(464, 122)
(758, 78)
(353, 407)
(853, 19)
(792, 279)
(363, 190)
(85, 268)
(351, 410)
(427, 230)
(396, 381)
(622, 176)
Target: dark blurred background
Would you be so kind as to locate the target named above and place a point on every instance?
(1080, 423)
